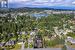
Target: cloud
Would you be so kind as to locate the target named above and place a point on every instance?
(12, 1)
(42, 2)
(73, 2)
(52, 0)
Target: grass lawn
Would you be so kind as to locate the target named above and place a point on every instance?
(46, 38)
(58, 46)
(71, 45)
(17, 47)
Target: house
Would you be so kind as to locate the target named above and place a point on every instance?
(71, 40)
(32, 33)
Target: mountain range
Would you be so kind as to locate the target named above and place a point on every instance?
(38, 8)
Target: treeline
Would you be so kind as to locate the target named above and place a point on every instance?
(10, 25)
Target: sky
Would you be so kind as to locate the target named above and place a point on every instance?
(41, 3)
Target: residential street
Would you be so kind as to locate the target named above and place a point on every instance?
(68, 47)
(44, 49)
(22, 48)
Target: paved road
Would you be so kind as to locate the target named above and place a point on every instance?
(47, 49)
(44, 49)
(22, 48)
(68, 47)
(71, 49)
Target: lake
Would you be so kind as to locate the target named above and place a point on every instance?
(38, 15)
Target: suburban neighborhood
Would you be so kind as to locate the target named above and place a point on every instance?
(36, 27)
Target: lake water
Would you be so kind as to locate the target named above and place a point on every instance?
(38, 15)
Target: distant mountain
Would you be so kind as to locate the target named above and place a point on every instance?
(46, 8)
(49, 8)
(27, 9)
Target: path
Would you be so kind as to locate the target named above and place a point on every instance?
(22, 48)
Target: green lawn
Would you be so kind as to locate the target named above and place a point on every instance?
(17, 46)
(71, 35)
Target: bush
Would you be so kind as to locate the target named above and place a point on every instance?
(71, 34)
(64, 48)
(31, 45)
(26, 45)
(52, 43)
